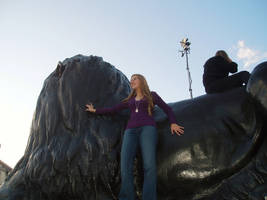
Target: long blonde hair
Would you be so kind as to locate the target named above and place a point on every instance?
(146, 92)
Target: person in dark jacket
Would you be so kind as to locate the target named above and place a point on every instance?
(216, 74)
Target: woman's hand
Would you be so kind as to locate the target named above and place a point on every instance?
(90, 107)
(177, 129)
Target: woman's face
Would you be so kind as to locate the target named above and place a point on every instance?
(135, 82)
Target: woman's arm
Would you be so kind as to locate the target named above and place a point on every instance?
(232, 67)
(226, 64)
(175, 128)
(167, 109)
(109, 110)
(229, 65)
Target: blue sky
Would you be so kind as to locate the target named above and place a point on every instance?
(134, 36)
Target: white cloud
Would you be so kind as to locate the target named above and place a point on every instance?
(248, 55)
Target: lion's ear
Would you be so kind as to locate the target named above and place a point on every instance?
(60, 69)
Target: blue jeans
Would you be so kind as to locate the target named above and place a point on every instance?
(146, 138)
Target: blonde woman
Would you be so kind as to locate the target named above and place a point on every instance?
(216, 71)
(140, 132)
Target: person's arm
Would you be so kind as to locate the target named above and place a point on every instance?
(232, 67)
(167, 109)
(227, 64)
(113, 109)
(175, 128)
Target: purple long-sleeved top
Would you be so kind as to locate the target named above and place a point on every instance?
(140, 118)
